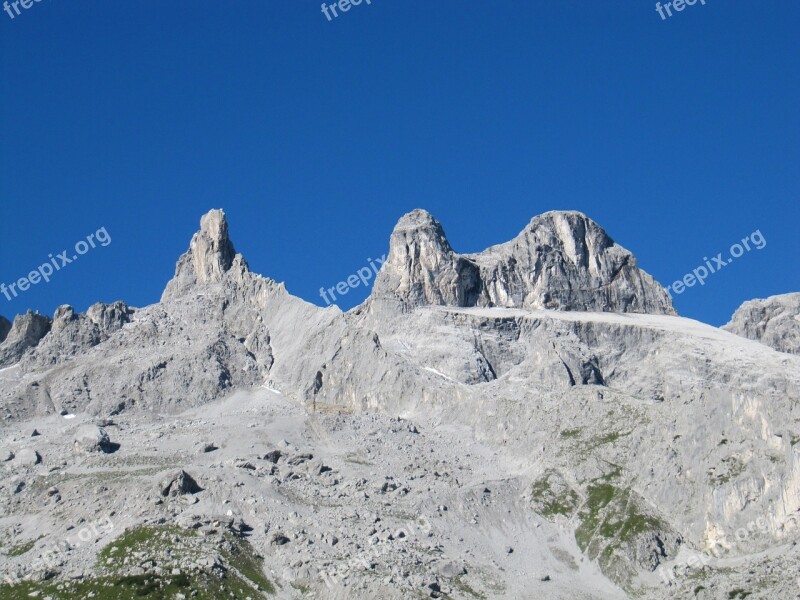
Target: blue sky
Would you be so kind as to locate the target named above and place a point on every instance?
(680, 137)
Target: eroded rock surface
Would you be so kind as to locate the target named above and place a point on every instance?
(774, 321)
(25, 333)
(562, 260)
(5, 327)
(453, 436)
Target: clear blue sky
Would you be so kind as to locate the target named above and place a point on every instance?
(680, 137)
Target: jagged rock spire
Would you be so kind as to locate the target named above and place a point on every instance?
(424, 269)
(210, 257)
(26, 332)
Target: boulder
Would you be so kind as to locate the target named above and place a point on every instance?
(91, 438)
(179, 484)
(27, 457)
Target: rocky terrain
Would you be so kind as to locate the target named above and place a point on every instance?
(532, 421)
(774, 321)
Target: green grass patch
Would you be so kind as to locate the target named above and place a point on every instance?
(142, 539)
(571, 433)
(21, 549)
(240, 556)
(611, 520)
(241, 577)
(552, 496)
(731, 468)
(609, 438)
(463, 587)
(303, 589)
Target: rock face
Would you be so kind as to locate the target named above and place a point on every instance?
(64, 336)
(26, 332)
(74, 333)
(423, 269)
(5, 327)
(210, 256)
(595, 444)
(562, 260)
(774, 321)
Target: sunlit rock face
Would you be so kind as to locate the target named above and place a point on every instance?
(774, 321)
(562, 260)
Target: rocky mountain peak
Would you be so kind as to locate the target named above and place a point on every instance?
(210, 257)
(572, 232)
(25, 333)
(422, 268)
(365, 416)
(5, 327)
(562, 260)
(774, 321)
(420, 220)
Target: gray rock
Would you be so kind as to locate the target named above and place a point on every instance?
(27, 457)
(5, 327)
(210, 256)
(563, 260)
(279, 539)
(299, 459)
(90, 438)
(273, 456)
(449, 569)
(179, 484)
(72, 333)
(774, 321)
(6, 455)
(25, 333)
(688, 429)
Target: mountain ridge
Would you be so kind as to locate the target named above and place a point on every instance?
(562, 260)
(501, 425)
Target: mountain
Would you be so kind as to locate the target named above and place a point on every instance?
(25, 333)
(774, 321)
(530, 421)
(562, 260)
